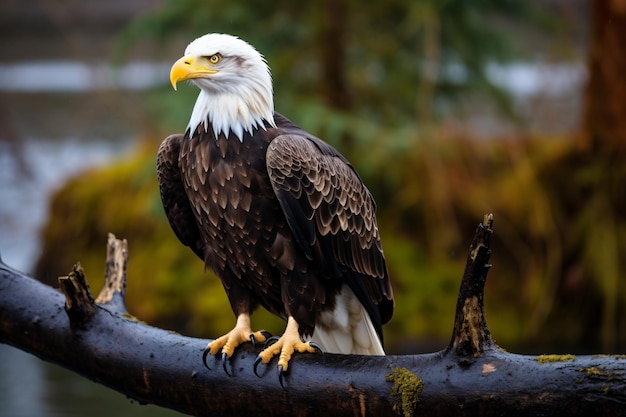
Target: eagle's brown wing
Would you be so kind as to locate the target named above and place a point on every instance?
(332, 216)
(175, 200)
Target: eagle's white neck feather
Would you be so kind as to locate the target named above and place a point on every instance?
(239, 97)
(228, 112)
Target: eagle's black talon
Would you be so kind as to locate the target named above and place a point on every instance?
(204, 356)
(281, 377)
(257, 361)
(225, 362)
(271, 340)
(316, 347)
(264, 333)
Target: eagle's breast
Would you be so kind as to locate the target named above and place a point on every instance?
(236, 209)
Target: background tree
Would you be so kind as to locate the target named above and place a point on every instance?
(604, 126)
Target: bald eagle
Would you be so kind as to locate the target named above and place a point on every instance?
(281, 217)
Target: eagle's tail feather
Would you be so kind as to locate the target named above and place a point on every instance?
(348, 329)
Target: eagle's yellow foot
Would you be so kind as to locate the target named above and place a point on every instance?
(284, 347)
(227, 344)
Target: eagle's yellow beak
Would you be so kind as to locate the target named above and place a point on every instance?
(189, 67)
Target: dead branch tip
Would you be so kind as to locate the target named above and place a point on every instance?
(471, 336)
(114, 290)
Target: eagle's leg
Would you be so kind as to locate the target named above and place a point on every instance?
(285, 346)
(241, 333)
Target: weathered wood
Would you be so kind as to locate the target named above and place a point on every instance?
(473, 377)
(79, 303)
(114, 289)
(470, 335)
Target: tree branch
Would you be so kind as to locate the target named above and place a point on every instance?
(100, 341)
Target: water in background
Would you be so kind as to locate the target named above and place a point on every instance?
(28, 178)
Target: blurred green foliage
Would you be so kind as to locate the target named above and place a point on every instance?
(395, 63)
(405, 66)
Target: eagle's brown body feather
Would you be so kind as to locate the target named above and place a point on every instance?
(280, 216)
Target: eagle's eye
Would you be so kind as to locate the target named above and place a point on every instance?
(215, 58)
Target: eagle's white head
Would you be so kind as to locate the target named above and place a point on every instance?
(235, 84)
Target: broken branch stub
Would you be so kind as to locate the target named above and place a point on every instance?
(114, 289)
(470, 335)
(79, 303)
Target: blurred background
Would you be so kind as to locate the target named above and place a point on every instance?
(448, 110)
